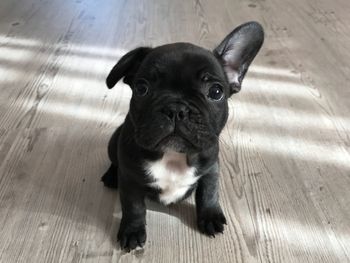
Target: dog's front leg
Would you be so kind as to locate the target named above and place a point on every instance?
(132, 229)
(210, 218)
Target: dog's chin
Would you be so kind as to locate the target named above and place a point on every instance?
(177, 144)
(170, 142)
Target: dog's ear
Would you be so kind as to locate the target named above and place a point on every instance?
(127, 66)
(238, 50)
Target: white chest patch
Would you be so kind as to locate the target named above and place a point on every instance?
(172, 176)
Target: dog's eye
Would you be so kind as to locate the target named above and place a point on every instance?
(141, 89)
(215, 92)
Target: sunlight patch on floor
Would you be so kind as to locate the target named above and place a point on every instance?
(272, 71)
(82, 112)
(19, 55)
(278, 88)
(74, 62)
(99, 52)
(24, 42)
(93, 89)
(310, 238)
(8, 76)
(11, 47)
(298, 148)
(84, 67)
(286, 118)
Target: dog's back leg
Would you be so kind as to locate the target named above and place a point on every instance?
(110, 178)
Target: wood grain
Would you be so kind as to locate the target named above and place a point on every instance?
(285, 152)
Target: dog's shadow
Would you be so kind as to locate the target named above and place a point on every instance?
(185, 211)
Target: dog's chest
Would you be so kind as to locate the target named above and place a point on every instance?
(172, 176)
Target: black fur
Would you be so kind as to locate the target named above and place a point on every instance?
(175, 113)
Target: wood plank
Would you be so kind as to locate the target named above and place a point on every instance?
(285, 155)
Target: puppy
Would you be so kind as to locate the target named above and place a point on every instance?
(168, 145)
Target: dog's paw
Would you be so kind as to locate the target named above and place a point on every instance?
(130, 237)
(211, 222)
(110, 178)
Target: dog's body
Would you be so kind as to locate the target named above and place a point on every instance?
(168, 145)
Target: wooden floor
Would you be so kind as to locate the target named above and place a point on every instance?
(285, 152)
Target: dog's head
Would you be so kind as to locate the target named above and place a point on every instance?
(180, 90)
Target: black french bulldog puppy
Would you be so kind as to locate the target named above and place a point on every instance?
(169, 142)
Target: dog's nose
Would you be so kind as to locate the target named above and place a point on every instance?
(176, 112)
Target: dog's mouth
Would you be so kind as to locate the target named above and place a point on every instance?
(184, 137)
(176, 143)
